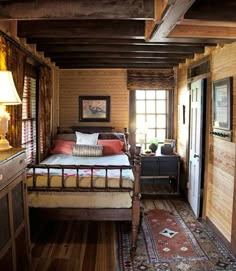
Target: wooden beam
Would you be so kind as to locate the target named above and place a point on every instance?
(164, 41)
(81, 29)
(92, 41)
(160, 6)
(118, 61)
(121, 48)
(116, 66)
(207, 23)
(80, 9)
(129, 55)
(197, 31)
(173, 14)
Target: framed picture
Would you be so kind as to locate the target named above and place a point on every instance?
(94, 108)
(222, 91)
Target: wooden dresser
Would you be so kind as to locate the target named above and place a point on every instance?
(14, 222)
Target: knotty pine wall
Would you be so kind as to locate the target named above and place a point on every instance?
(220, 154)
(113, 83)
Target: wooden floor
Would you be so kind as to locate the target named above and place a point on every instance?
(71, 245)
(80, 246)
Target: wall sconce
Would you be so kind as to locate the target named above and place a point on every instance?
(8, 96)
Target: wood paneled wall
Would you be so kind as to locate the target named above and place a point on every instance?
(113, 83)
(220, 167)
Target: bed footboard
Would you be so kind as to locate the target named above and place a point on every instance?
(91, 183)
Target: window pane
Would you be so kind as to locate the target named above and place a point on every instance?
(140, 94)
(150, 135)
(161, 106)
(140, 106)
(150, 106)
(161, 134)
(151, 94)
(161, 94)
(151, 121)
(161, 121)
(140, 120)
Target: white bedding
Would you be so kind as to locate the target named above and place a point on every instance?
(78, 199)
(84, 174)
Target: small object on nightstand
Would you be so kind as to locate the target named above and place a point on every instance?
(167, 149)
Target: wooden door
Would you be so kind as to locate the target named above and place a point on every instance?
(195, 146)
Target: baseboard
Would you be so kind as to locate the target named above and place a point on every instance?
(219, 234)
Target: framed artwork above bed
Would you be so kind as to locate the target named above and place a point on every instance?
(94, 108)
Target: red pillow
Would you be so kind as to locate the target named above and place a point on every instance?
(62, 146)
(111, 146)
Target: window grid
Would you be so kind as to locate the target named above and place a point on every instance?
(29, 119)
(151, 116)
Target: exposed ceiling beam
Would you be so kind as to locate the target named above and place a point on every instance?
(118, 55)
(80, 9)
(172, 15)
(116, 66)
(208, 23)
(81, 41)
(203, 32)
(119, 61)
(81, 29)
(121, 48)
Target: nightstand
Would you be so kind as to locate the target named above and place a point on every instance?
(14, 225)
(161, 168)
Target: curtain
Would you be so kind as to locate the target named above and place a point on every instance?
(150, 79)
(45, 111)
(14, 59)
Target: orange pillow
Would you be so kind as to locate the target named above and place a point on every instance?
(111, 146)
(62, 146)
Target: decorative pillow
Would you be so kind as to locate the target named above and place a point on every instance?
(86, 139)
(87, 150)
(110, 147)
(62, 146)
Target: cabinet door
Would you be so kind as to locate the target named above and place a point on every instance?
(18, 204)
(169, 165)
(5, 233)
(149, 166)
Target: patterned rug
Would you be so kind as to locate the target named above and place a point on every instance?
(171, 239)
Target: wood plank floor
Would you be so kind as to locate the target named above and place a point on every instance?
(71, 245)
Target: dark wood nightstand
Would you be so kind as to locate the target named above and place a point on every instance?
(161, 167)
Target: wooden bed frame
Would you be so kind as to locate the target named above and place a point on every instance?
(104, 214)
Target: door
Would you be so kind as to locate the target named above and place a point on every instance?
(195, 146)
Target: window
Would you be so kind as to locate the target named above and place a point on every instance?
(152, 116)
(29, 119)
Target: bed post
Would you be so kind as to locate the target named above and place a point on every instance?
(136, 201)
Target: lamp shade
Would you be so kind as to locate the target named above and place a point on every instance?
(8, 92)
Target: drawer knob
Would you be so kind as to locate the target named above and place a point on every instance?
(1, 177)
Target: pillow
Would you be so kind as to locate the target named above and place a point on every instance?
(110, 147)
(86, 139)
(87, 150)
(62, 146)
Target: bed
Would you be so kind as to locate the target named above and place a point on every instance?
(87, 182)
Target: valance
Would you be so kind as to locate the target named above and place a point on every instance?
(162, 79)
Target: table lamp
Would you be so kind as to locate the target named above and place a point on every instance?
(8, 96)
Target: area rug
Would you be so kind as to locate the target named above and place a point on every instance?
(171, 239)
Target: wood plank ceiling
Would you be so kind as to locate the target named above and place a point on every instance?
(121, 33)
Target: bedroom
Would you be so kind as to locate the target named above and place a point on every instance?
(110, 81)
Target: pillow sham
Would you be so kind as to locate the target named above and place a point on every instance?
(112, 146)
(87, 150)
(62, 146)
(86, 139)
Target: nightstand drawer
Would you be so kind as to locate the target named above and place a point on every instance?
(11, 167)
